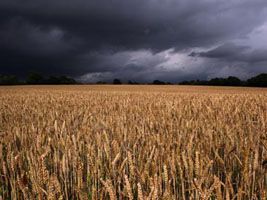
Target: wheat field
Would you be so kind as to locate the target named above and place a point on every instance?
(133, 142)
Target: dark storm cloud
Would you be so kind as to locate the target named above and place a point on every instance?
(228, 50)
(77, 37)
(233, 52)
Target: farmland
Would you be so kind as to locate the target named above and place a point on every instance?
(133, 142)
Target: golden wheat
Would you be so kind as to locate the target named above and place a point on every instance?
(133, 142)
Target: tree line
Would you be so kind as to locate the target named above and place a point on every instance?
(256, 81)
(37, 79)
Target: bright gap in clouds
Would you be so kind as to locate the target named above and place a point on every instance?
(146, 66)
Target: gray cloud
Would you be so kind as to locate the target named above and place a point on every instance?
(82, 37)
(227, 50)
(234, 53)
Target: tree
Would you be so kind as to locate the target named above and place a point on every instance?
(8, 80)
(101, 82)
(132, 82)
(233, 81)
(230, 81)
(116, 81)
(157, 82)
(53, 80)
(67, 80)
(258, 81)
(217, 81)
(62, 80)
(35, 78)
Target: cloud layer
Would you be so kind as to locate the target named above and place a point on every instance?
(142, 40)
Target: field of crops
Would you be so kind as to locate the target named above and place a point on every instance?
(133, 142)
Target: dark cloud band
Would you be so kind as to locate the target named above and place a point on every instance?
(69, 37)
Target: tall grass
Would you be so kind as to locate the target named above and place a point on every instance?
(62, 143)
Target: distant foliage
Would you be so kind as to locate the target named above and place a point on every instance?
(35, 78)
(257, 81)
(158, 82)
(117, 81)
(101, 82)
(60, 80)
(132, 82)
(38, 79)
(230, 81)
(8, 80)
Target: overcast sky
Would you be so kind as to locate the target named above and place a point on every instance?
(141, 40)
